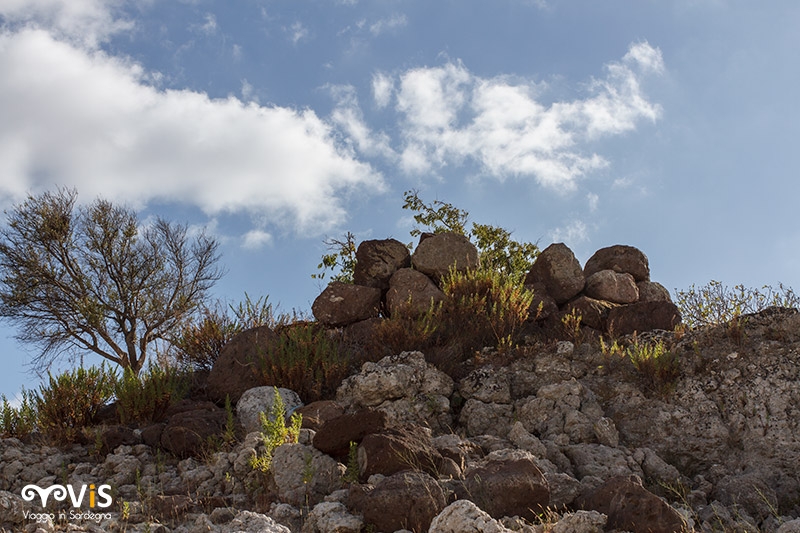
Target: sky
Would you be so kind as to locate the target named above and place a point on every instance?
(275, 124)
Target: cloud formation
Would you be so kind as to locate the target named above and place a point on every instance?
(81, 118)
(449, 116)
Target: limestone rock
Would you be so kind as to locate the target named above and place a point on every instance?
(289, 465)
(482, 418)
(437, 254)
(261, 400)
(332, 517)
(611, 286)
(463, 516)
(250, 522)
(581, 522)
(558, 270)
(412, 289)
(619, 258)
(542, 305)
(378, 260)
(341, 304)
(11, 507)
(236, 369)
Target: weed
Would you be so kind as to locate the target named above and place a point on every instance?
(71, 400)
(571, 323)
(18, 422)
(353, 472)
(659, 366)
(145, 397)
(229, 434)
(274, 432)
(126, 510)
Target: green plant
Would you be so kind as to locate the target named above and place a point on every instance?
(659, 366)
(715, 303)
(147, 396)
(18, 421)
(274, 432)
(229, 434)
(571, 323)
(304, 358)
(342, 255)
(353, 472)
(71, 400)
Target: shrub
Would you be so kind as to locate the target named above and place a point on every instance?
(305, 359)
(146, 397)
(71, 400)
(19, 421)
(660, 367)
(715, 303)
(274, 432)
(342, 255)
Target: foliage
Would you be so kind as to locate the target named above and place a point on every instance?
(146, 397)
(571, 322)
(200, 342)
(715, 303)
(93, 279)
(305, 359)
(353, 471)
(498, 251)
(406, 329)
(659, 366)
(71, 400)
(18, 422)
(274, 432)
(342, 255)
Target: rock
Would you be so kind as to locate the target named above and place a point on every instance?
(151, 435)
(463, 516)
(652, 291)
(619, 258)
(406, 500)
(558, 270)
(395, 450)
(508, 483)
(542, 305)
(290, 465)
(341, 304)
(581, 522)
(600, 461)
(749, 492)
(335, 436)
(481, 418)
(792, 526)
(236, 369)
(187, 432)
(118, 436)
(564, 489)
(332, 517)
(412, 290)
(643, 316)
(486, 384)
(11, 507)
(611, 286)
(378, 260)
(526, 441)
(593, 313)
(317, 413)
(250, 522)
(631, 507)
(436, 255)
(261, 400)
(567, 408)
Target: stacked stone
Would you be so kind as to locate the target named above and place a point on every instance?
(612, 293)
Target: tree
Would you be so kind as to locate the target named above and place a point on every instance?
(92, 279)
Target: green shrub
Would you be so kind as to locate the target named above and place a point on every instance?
(715, 303)
(659, 366)
(146, 397)
(71, 400)
(274, 432)
(305, 359)
(20, 421)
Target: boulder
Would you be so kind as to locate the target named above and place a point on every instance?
(341, 304)
(11, 507)
(332, 517)
(652, 291)
(261, 400)
(118, 436)
(643, 316)
(612, 286)
(593, 313)
(335, 435)
(436, 255)
(395, 450)
(303, 475)
(631, 507)
(559, 271)
(378, 260)
(409, 287)
(317, 413)
(236, 369)
(251, 522)
(748, 491)
(542, 305)
(463, 516)
(406, 500)
(619, 258)
(508, 484)
(187, 432)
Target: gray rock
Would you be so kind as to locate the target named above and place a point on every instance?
(304, 474)
(463, 516)
(341, 304)
(411, 290)
(377, 260)
(332, 517)
(261, 400)
(619, 258)
(611, 286)
(436, 255)
(652, 291)
(558, 270)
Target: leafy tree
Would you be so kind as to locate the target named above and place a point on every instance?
(91, 278)
(342, 256)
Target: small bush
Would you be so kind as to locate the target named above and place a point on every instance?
(305, 359)
(274, 432)
(660, 367)
(18, 422)
(406, 329)
(146, 397)
(71, 400)
(715, 303)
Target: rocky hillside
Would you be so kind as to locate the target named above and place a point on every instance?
(663, 430)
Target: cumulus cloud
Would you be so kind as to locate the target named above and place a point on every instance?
(348, 116)
(448, 115)
(256, 239)
(84, 119)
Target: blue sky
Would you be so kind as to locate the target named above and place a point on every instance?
(670, 126)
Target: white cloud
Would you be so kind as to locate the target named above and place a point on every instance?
(348, 116)
(397, 20)
(255, 239)
(382, 89)
(448, 115)
(572, 234)
(87, 22)
(297, 32)
(593, 200)
(90, 121)
(209, 27)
